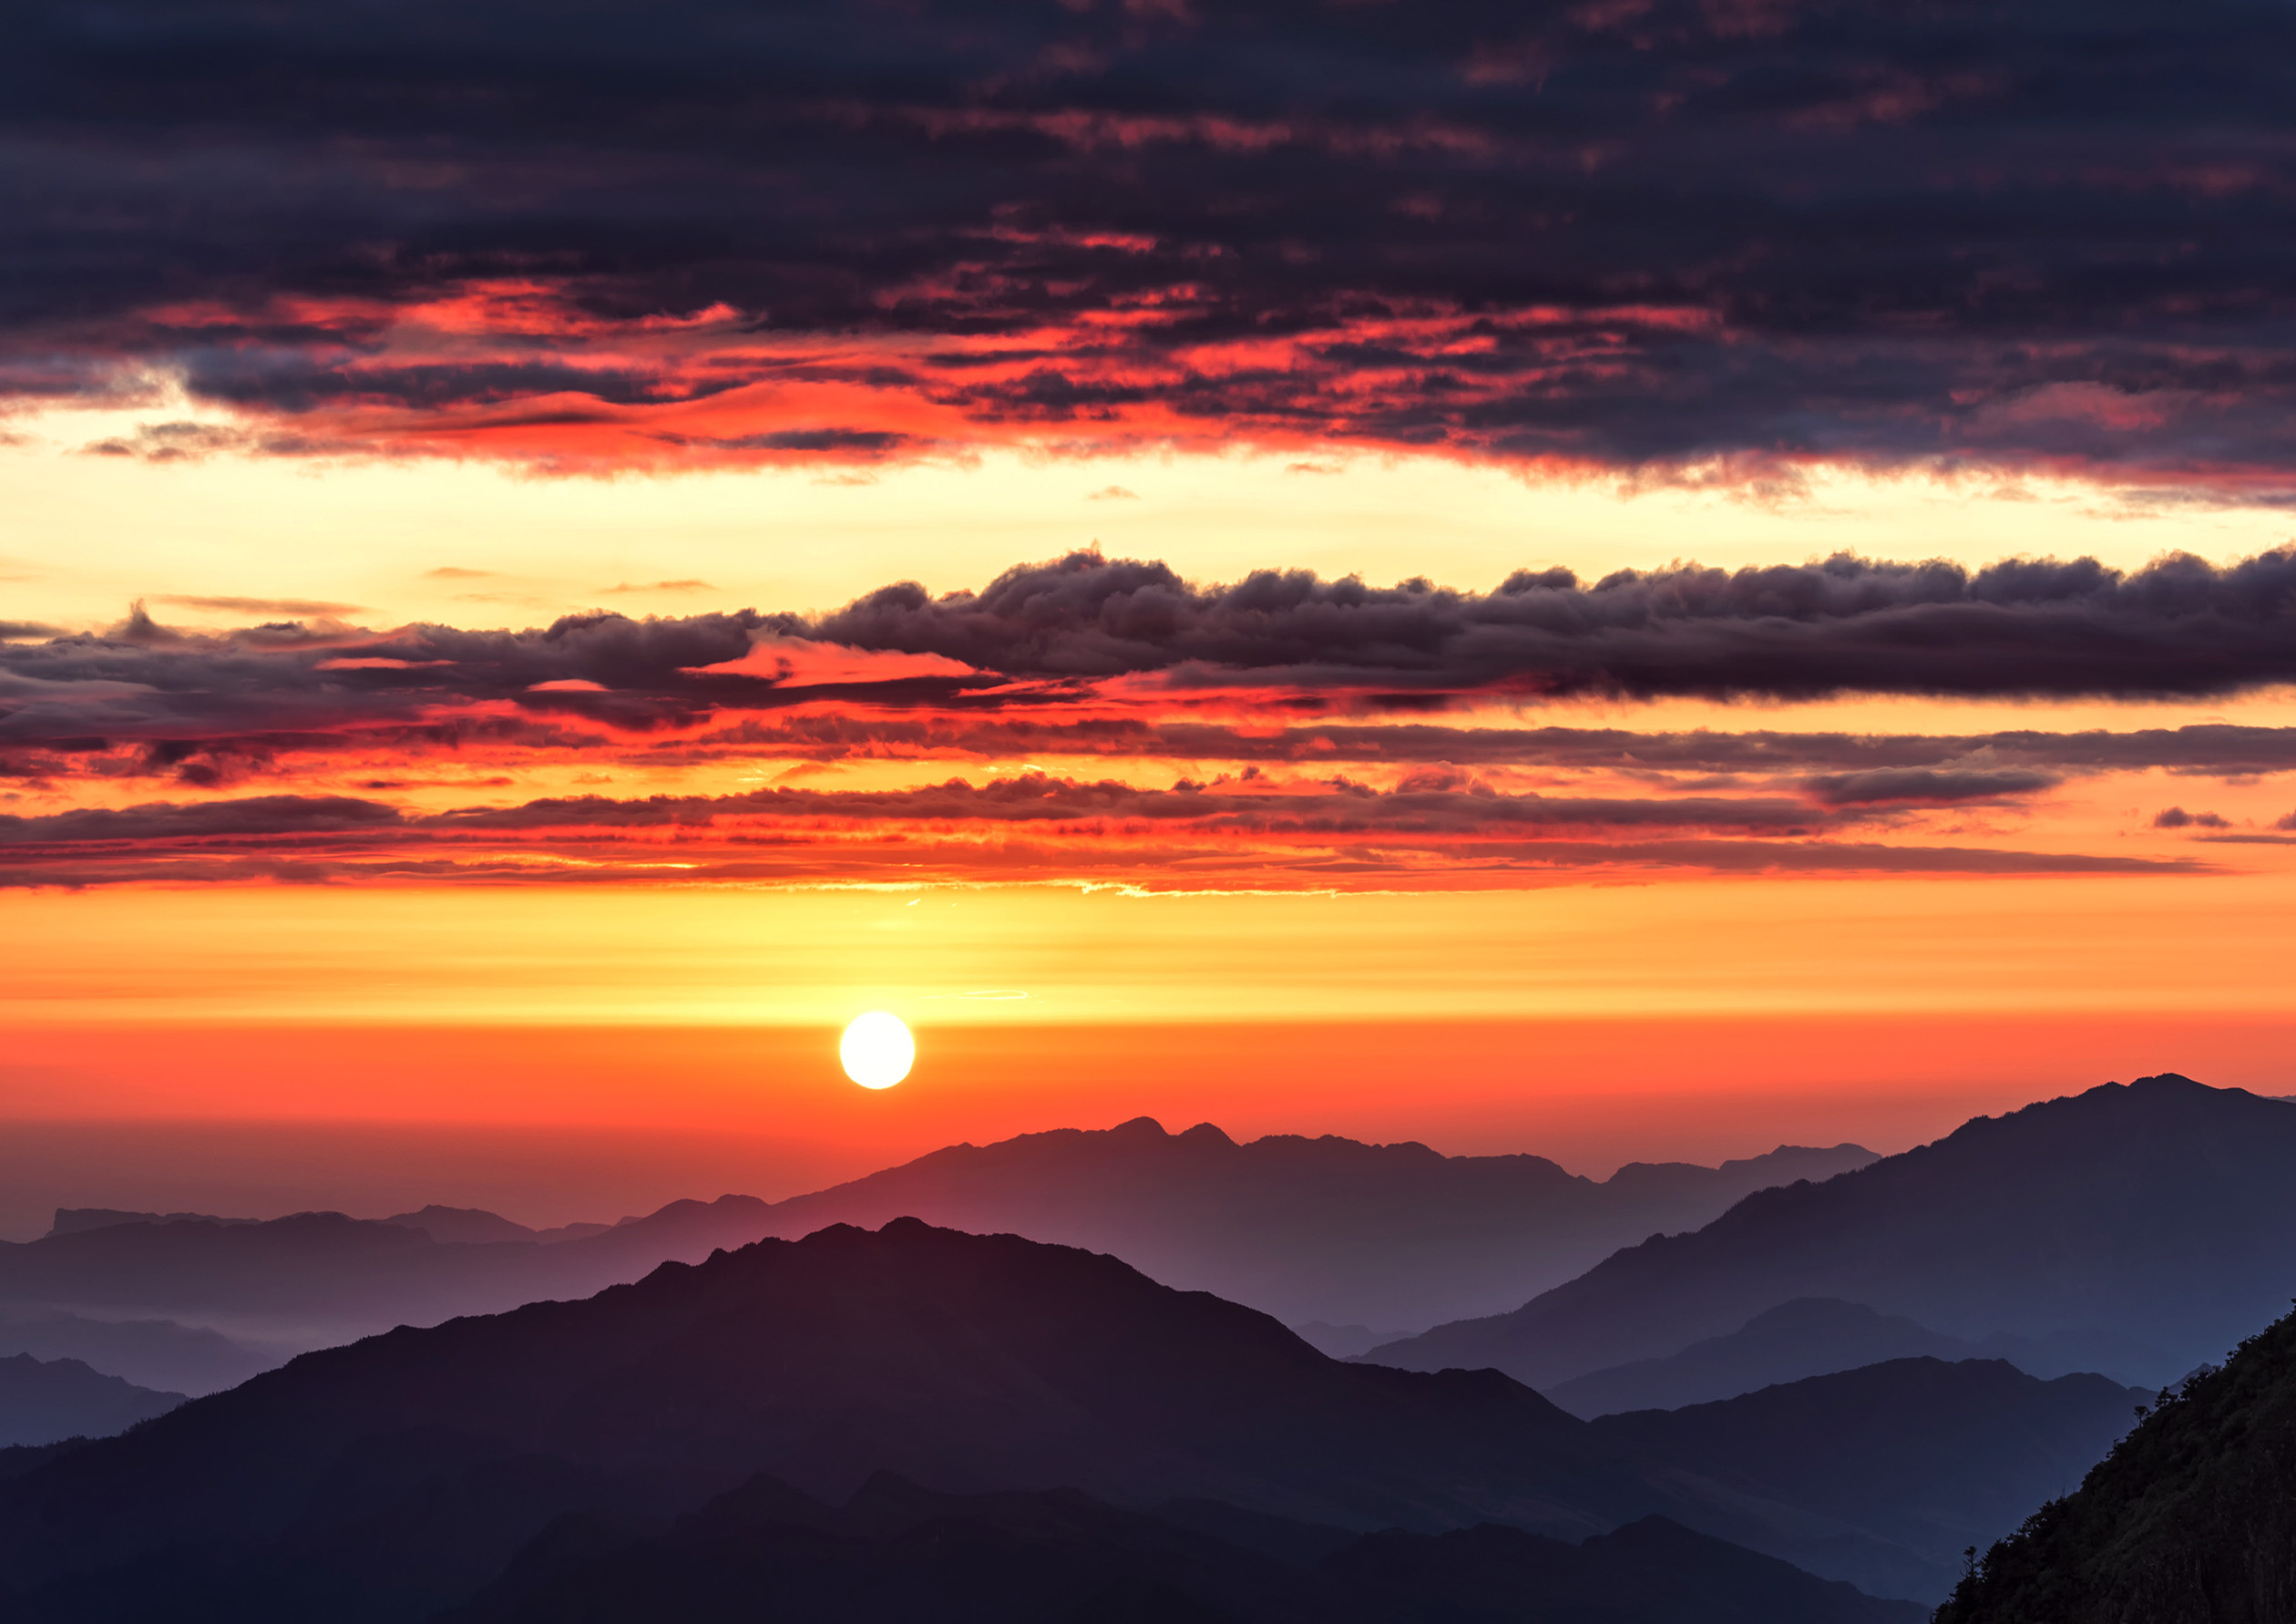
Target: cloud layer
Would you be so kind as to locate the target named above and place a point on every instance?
(1280, 729)
(1030, 829)
(1085, 635)
(1848, 624)
(1643, 235)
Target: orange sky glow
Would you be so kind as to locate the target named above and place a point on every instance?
(300, 886)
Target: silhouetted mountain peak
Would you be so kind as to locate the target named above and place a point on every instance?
(74, 1220)
(461, 1225)
(2153, 1217)
(183, 1236)
(1324, 1228)
(1816, 1313)
(2172, 1081)
(2167, 1097)
(677, 1211)
(1783, 1154)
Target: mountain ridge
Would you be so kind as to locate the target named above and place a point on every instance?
(2152, 1216)
(971, 1362)
(1284, 1222)
(1922, 1458)
(1217, 1215)
(49, 1401)
(2191, 1518)
(897, 1553)
(1810, 1336)
(383, 1480)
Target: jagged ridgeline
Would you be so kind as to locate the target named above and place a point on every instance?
(2190, 1520)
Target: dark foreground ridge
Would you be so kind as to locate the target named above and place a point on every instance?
(897, 1554)
(2191, 1520)
(383, 1481)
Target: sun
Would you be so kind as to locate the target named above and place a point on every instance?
(878, 1050)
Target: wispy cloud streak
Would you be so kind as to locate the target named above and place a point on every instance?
(1035, 827)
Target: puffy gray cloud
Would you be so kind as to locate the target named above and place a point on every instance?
(1925, 787)
(143, 680)
(2180, 626)
(263, 817)
(1045, 642)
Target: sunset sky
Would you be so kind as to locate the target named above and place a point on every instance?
(1627, 579)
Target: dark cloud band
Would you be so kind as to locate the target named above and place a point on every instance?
(2180, 627)
(1092, 656)
(1626, 235)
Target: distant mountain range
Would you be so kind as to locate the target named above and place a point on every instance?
(2192, 1517)
(1922, 1458)
(1388, 1235)
(384, 1480)
(897, 1554)
(2138, 1229)
(45, 1401)
(199, 1303)
(1324, 1229)
(460, 1225)
(1808, 1337)
(155, 1353)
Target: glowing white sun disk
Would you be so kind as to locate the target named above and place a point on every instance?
(878, 1050)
